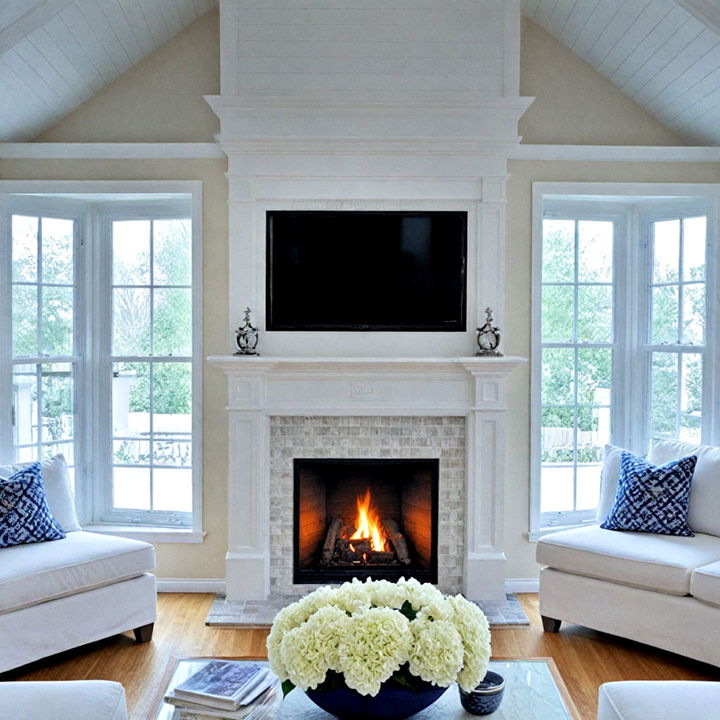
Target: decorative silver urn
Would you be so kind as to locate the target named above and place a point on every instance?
(247, 336)
(488, 336)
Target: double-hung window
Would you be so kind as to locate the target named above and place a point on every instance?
(623, 352)
(101, 319)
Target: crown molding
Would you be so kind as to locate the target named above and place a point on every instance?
(110, 151)
(616, 153)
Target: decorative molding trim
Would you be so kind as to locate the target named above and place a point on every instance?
(522, 585)
(148, 533)
(616, 153)
(110, 151)
(190, 585)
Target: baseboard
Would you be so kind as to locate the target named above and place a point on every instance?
(191, 585)
(522, 585)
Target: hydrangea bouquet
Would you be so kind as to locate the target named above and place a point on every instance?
(364, 634)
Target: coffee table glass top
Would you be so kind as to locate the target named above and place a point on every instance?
(531, 693)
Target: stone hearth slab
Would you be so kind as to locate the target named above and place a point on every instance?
(260, 613)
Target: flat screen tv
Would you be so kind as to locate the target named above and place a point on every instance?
(360, 271)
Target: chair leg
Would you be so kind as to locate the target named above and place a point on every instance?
(144, 634)
(551, 625)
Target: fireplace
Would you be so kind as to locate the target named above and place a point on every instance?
(365, 518)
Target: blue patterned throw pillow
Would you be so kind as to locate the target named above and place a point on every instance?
(651, 498)
(24, 513)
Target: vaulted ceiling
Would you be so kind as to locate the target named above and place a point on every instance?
(664, 54)
(56, 54)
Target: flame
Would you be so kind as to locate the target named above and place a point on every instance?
(368, 524)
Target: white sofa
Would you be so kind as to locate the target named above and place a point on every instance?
(72, 700)
(64, 593)
(657, 700)
(656, 589)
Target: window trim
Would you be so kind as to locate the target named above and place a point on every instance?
(87, 489)
(626, 431)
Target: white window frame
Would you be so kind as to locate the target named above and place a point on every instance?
(640, 205)
(91, 481)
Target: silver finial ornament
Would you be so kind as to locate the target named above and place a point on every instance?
(247, 336)
(488, 336)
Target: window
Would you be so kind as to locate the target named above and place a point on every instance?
(103, 316)
(621, 341)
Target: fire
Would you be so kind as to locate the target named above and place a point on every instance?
(368, 524)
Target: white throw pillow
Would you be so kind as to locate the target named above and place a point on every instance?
(608, 481)
(57, 490)
(704, 506)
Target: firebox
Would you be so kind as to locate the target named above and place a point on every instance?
(365, 518)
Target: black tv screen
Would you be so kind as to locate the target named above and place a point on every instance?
(335, 270)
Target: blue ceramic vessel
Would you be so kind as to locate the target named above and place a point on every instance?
(391, 703)
(486, 697)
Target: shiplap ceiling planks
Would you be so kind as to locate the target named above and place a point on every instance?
(56, 54)
(664, 54)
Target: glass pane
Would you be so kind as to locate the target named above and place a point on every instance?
(666, 251)
(557, 435)
(25, 402)
(131, 452)
(595, 251)
(593, 433)
(691, 397)
(558, 251)
(24, 319)
(169, 451)
(693, 314)
(557, 313)
(558, 370)
(172, 258)
(594, 376)
(57, 321)
(26, 454)
(57, 402)
(172, 490)
(595, 313)
(588, 486)
(172, 396)
(556, 488)
(131, 252)
(131, 488)
(131, 321)
(694, 241)
(64, 448)
(173, 322)
(664, 394)
(665, 314)
(57, 250)
(131, 399)
(24, 248)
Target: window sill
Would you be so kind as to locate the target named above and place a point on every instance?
(149, 533)
(535, 535)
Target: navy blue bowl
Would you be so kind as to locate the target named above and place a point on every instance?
(486, 697)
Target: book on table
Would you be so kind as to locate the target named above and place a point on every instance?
(259, 709)
(223, 685)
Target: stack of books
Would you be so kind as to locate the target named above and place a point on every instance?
(226, 689)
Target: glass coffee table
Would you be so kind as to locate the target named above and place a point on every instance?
(534, 690)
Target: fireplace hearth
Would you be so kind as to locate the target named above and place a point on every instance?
(365, 518)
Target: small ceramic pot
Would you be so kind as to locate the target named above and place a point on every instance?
(486, 697)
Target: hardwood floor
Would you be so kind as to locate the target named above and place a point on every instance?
(585, 658)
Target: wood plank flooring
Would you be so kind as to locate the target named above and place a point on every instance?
(585, 658)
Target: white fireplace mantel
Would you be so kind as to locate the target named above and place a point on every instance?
(262, 387)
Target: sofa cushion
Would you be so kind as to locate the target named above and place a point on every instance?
(704, 506)
(656, 562)
(651, 498)
(659, 700)
(24, 513)
(705, 583)
(31, 574)
(57, 490)
(608, 481)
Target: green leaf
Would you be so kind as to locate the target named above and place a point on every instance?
(407, 611)
(287, 686)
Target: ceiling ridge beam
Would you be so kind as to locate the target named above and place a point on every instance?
(34, 18)
(705, 11)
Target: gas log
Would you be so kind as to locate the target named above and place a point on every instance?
(339, 550)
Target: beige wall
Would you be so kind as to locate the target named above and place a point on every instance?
(161, 100)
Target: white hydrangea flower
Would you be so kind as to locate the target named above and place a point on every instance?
(437, 653)
(310, 650)
(387, 594)
(474, 630)
(376, 643)
(353, 596)
(420, 594)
